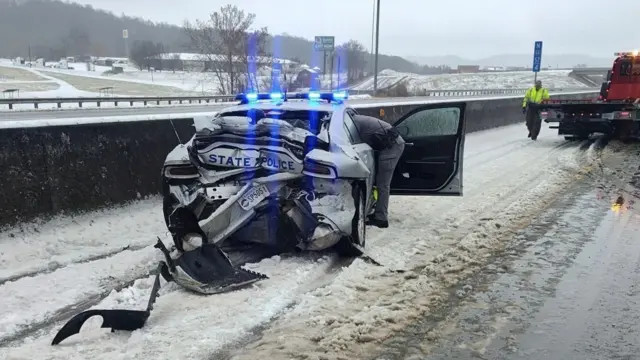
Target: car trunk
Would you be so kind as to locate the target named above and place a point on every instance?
(271, 144)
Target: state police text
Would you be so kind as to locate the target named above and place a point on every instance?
(251, 162)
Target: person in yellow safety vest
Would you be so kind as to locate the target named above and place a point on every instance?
(536, 94)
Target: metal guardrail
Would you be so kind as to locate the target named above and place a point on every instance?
(145, 100)
(117, 100)
(463, 93)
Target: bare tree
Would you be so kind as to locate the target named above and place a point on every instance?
(173, 62)
(77, 42)
(230, 47)
(290, 71)
(144, 53)
(281, 74)
(352, 56)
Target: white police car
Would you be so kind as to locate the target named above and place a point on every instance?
(289, 171)
(278, 173)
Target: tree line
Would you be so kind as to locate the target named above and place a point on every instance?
(58, 29)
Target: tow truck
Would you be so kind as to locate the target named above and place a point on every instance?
(615, 112)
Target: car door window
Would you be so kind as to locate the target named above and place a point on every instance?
(435, 122)
(431, 163)
(351, 129)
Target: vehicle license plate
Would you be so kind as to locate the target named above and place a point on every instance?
(253, 197)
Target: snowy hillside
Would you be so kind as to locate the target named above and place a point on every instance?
(553, 79)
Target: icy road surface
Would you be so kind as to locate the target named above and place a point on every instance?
(52, 270)
(566, 287)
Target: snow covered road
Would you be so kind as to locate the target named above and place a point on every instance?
(566, 287)
(307, 306)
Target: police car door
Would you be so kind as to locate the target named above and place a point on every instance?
(432, 160)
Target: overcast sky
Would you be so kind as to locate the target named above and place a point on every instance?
(467, 28)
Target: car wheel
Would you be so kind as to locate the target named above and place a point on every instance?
(353, 245)
(359, 229)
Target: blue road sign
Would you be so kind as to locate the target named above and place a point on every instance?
(537, 56)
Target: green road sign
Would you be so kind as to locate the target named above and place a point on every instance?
(324, 43)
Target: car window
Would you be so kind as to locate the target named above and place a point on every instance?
(351, 129)
(305, 119)
(431, 122)
(625, 68)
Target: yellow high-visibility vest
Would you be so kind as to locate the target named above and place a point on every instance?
(535, 96)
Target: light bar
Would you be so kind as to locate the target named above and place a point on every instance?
(338, 96)
(628, 53)
(253, 97)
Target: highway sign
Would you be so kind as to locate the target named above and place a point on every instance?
(324, 43)
(125, 34)
(537, 56)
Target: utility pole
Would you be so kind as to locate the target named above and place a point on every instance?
(375, 67)
(373, 32)
(331, 80)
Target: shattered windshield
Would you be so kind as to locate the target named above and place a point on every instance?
(310, 120)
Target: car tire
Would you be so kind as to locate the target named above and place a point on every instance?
(353, 245)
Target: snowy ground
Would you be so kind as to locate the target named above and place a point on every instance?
(307, 306)
(132, 82)
(552, 79)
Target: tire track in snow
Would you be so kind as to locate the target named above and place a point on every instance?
(56, 266)
(327, 334)
(66, 312)
(332, 268)
(255, 333)
(78, 285)
(42, 246)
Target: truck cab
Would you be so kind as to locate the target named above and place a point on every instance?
(623, 80)
(615, 112)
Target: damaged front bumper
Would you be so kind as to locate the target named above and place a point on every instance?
(275, 211)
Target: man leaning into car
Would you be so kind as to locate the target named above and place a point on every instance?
(389, 145)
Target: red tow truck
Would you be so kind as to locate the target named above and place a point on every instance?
(615, 112)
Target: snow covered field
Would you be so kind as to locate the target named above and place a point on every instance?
(55, 82)
(307, 306)
(552, 79)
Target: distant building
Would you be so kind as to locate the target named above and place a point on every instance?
(308, 78)
(200, 62)
(465, 69)
(495, 68)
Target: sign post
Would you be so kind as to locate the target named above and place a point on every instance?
(537, 59)
(326, 44)
(125, 36)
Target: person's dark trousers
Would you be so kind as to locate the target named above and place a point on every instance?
(387, 161)
(530, 119)
(533, 122)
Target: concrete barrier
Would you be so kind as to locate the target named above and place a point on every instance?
(45, 170)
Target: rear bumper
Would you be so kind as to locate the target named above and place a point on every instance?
(271, 212)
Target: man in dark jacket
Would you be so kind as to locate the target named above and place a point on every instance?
(389, 145)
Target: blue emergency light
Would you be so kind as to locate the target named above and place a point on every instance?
(338, 96)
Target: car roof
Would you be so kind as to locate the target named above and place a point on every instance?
(293, 104)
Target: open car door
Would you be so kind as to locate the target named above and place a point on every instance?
(434, 145)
